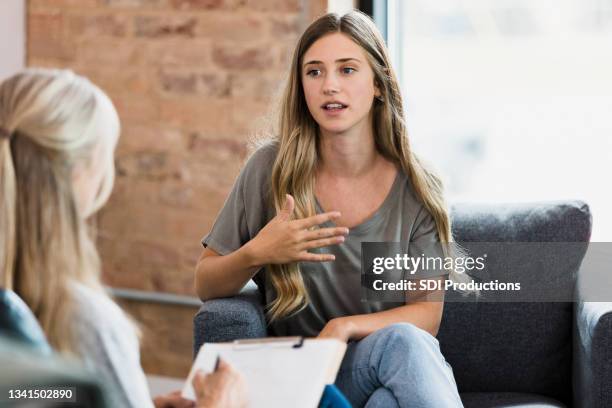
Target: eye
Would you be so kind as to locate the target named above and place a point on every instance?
(313, 72)
(348, 70)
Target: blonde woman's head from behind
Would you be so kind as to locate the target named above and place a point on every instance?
(56, 169)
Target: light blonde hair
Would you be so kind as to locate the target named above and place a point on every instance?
(297, 138)
(56, 120)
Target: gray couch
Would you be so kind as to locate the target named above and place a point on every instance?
(27, 362)
(503, 354)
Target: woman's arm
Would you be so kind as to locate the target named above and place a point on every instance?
(281, 241)
(423, 312)
(221, 276)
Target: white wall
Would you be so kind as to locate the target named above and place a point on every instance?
(340, 6)
(12, 36)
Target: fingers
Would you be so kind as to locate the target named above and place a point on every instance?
(198, 384)
(223, 365)
(310, 257)
(287, 210)
(319, 243)
(184, 403)
(317, 219)
(325, 233)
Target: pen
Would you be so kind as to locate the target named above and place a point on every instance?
(217, 363)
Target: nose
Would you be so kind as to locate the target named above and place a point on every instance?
(331, 84)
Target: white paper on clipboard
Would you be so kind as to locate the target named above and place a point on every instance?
(279, 372)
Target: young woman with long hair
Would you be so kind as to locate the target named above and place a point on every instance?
(338, 171)
(58, 133)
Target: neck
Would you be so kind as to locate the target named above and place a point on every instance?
(348, 154)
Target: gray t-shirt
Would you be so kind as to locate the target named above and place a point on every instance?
(334, 287)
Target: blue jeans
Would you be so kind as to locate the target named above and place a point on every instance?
(398, 366)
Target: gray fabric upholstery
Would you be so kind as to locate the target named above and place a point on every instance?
(239, 317)
(518, 347)
(507, 400)
(593, 355)
(502, 354)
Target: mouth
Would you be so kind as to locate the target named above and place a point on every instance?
(334, 106)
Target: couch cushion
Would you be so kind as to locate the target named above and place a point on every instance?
(519, 347)
(507, 400)
(238, 317)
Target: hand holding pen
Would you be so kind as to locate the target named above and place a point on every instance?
(224, 387)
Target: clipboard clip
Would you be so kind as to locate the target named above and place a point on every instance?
(292, 342)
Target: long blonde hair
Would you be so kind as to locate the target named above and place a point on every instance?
(296, 136)
(52, 120)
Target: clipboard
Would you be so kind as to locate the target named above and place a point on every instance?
(278, 371)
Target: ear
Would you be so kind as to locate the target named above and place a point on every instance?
(377, 93)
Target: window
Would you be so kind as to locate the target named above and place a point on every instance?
(510, 100)
(12, 37)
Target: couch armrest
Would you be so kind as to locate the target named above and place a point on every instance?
(227, 319)
(593, 355)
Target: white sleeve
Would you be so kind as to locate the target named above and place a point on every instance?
(109, 347)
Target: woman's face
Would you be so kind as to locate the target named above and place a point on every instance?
(93, 176)
(338, 83)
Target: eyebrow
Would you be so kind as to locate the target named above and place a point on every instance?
(338, 60)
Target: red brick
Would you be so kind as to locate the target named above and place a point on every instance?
(159, 27)
(177, 195)
(149, 259)
(228, 27)
(134, 3)
(285, 55)
(101, 25)
(167, 336)
(214, 84)
(46, 36)
(243, 58)
(110, 52)
(135, 109)
(179, 52)
(152, 137)
(214, 167)
(285, 25)
(222, 148)
(127, 81)
(293, 6)
(249, 116)
(260, 88)
(178, 82)
(44, 62)
(62, 3)
(181, 81)
(136, 221)
(151, 165)
(196, 4)
(196, 113)
(176, 280)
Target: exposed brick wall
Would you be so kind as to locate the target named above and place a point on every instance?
(190, 79)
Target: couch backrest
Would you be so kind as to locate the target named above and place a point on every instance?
(521, 347)
(19, 324)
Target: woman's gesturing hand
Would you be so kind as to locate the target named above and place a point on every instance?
(284, 240)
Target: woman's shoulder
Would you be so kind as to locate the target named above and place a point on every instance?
(412, 205)
(257, 171)
(95, 309)
(263, 154)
